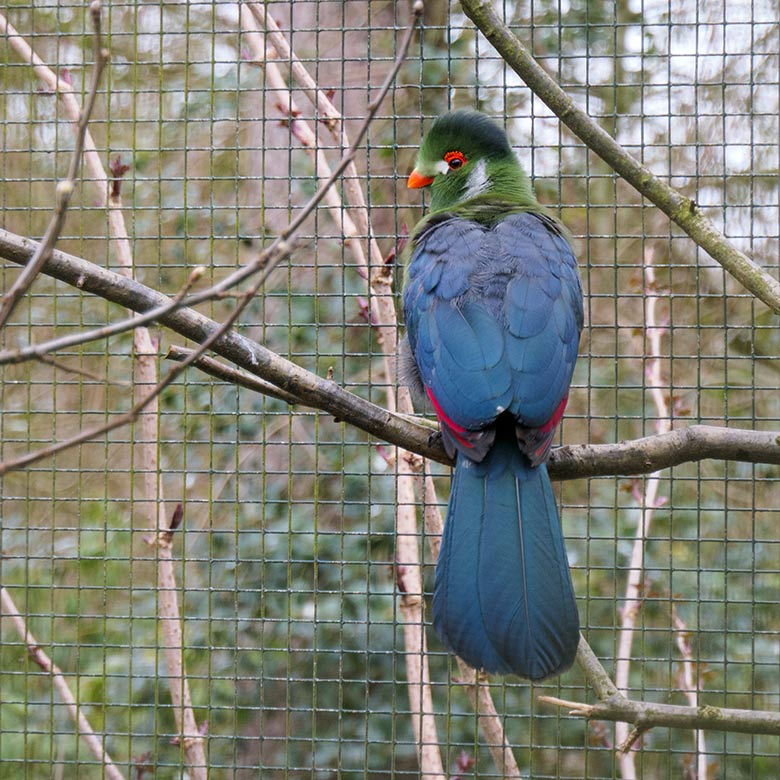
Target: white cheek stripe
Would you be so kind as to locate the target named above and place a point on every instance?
(478, 181)
(442, 167)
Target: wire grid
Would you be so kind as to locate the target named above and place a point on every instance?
(285, 560)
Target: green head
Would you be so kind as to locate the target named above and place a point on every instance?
(466, 155)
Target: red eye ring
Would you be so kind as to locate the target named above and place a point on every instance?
(455, 160)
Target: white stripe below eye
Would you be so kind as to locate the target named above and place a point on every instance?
(478, 181)
(442, 167)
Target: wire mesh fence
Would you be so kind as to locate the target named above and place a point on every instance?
(285, 569)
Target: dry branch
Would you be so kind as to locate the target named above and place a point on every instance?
(640, 456)
(647, 715)
(67, 186)
(681, 210)
(616, 708)
(85, 731)
(382, 315)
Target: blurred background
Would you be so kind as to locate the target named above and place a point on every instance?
(294, 649)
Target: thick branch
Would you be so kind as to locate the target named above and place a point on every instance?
(662, 451)
(681, 210)
(641, 456)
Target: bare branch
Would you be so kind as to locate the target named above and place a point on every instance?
(489, 721)
(232, 376)
(648, 715)
(299, 73)
(640, 456)
(76, 371)
(66, 187)
(85, 730)
(690, 685)
(169, 613)
(40, 350)
(643, 715)
(410, 588)
(408, 568)
(681, 210)
(648, 502)
(662, 451)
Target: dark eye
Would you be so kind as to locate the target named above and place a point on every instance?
(455, 160)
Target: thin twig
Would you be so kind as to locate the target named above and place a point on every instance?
(648, 503)
(410, 588)
(190, 737)
(93, 741)
(65, 188)
(644, 715)
(231, 375)
(489, 721)
(689, 687)
(284, 53)
(77, 371)
(681, 210)
(40, 350)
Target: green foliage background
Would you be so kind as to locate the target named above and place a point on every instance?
(286, 555)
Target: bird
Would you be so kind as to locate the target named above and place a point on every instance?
(493, 308)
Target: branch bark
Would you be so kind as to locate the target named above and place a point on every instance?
(94, 742)
(615, 707)
(681, 210)
(67, 186)
(640, 456)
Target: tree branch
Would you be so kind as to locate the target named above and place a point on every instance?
(643, 715)
(648, 503)
(681, 210)
(382, 304)
(640, 456)
(9, 610)
(662, 451)
(67, 186)
(647, 715)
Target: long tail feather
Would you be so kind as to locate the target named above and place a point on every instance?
(503, 599)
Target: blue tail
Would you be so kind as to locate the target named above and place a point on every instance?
(503, 599)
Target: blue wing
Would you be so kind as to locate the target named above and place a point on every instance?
(493, 315)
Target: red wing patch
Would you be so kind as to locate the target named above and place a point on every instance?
(456, 430)
(536, 442)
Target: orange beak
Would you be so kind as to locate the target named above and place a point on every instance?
(417, 180)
